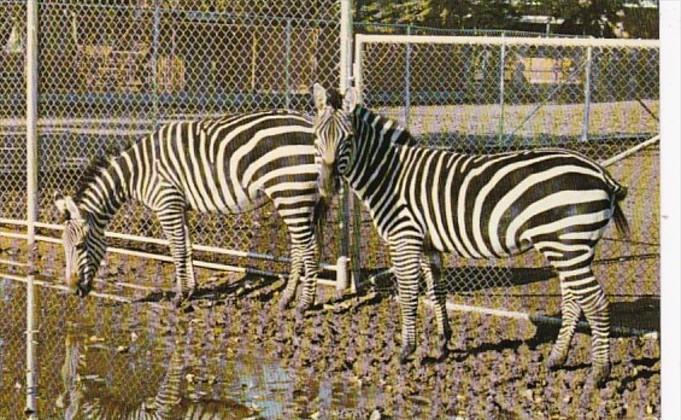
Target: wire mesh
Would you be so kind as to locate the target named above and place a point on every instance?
(487, 98)
(113, 73)
(110, 73)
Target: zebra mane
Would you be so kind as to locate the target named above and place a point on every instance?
(404, 138)
(98, 163)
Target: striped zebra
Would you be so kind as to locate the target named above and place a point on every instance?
(232, 165)
(426, 201)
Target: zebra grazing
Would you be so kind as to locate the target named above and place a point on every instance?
(428, 201)
(228, 165)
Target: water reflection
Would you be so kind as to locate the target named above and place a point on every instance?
(183, 391)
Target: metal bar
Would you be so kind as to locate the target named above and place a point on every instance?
(648, 110)
(502, 63)
(587, 94)
(485, 40)
(197, 263)
(345, 44)
(154, 60)
(344, 83)
(13, 263)
(356, 262)
(32, 195)
(631, 151)
(195, 247)
(357, 67)
(407, 81)
(287, 68)
(538, 318)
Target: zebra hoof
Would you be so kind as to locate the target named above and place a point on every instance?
(600, 374)
(183, 297)
(556, 360)
(407, 350)
(443, 350)
(284, 301)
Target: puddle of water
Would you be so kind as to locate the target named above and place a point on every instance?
(98, 360)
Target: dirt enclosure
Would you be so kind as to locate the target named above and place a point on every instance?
(232, 354)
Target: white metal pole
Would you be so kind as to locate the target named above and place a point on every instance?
(587, 94)
(287, 68)
(345, 73)
(502, 63)
(31, 193)
(345, 44)
(407, 81)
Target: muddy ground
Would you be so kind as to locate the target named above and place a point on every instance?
(232, 353)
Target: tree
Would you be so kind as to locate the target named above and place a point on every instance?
(439, 13)
(585, 17)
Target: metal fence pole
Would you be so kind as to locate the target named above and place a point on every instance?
(356, 262)
(407, 80)
(345, 197)
(501, 87)
(31, 193)
(287, 68)
(154, 61)
(587, 94)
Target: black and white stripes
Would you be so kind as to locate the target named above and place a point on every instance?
(426, 201)
(227, 165)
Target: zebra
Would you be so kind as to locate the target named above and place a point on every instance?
(426, 201)
(231, 164)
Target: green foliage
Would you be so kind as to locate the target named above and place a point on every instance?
(584, 17)
(588, 17)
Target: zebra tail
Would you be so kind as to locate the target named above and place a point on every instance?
(620, 219)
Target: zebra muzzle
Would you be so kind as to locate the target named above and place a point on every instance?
(326, 183)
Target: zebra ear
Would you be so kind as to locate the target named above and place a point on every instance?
(350, 99)
(319, 96)
(67, 206)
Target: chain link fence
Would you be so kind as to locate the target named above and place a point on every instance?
(110, 73)
(487, 95)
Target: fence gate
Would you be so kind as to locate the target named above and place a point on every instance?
(495, 94)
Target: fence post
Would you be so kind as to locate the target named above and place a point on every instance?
(287, 69)
(345, 197)
(407, 80)
(501, 87)
(154, 60)
(356, 262)
(31, 194)
(587, 94)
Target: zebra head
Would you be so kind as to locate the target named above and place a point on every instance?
(334, 134)
(84, 245)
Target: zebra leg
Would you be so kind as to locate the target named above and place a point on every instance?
(311, 261)
(593, 302)
(579, 285)
(406, 264)
(570, 312)
(293, 278)
(174, 223)
(431, 265)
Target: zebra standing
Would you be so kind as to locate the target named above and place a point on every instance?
(228, 165)
(425, 200)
